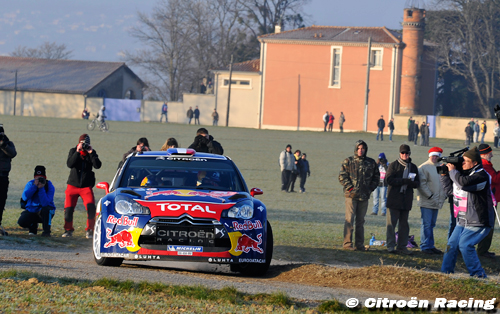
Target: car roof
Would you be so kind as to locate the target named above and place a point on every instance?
(180, 152)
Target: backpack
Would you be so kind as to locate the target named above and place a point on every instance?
(411, 241)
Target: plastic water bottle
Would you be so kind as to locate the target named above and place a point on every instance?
(376, 242)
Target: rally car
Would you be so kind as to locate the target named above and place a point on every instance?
(181, 205)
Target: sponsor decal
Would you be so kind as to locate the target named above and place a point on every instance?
(261, 208)
(245, 244)
(222, 232)
(184, 234)
(137, 256)
(122, 238)
(122, 221)
(214, 194)
(247, 225)
(185, 207)
(220, 260)
(184, 253)
(107, 203)
(185, 248)
(252, 260)
(186, 159)
(124, 255)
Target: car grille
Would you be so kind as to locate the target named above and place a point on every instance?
(160, 232)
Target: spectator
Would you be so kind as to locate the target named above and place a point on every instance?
(141, 146)
(210, 87)
(483, 131)
(359, 176)
(38, 202)
(197, 116)
(411, 129)
(190, 114)
(468, 134)
(203, 88)
(295, 171)
(476, 129)
(304, 172)
(471, 191)
(422, 133)
(486, 154)
(170, 143)
(287, 162)
(391, 128)
(427, 134)
(341, 122)
(380, 192)
(402, 178)
(496, 135)
(430, 199)
(381, 126)
(164, 112)
(326, 118)
(215, 117)
(7, 152)
(85, 114)
(205, 143)
(81, 180)
(331, 118)
(416, 130)
(102, 114)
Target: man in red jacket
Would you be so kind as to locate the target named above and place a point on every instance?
(81, 180)
(486, 154)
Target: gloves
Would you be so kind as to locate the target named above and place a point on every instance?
(406, 181)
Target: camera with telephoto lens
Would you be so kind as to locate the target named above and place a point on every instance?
(456, 158)
(85, 146)
(42, 180)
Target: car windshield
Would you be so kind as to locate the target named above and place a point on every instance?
(160, 172)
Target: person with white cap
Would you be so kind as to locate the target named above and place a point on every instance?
(431, 198)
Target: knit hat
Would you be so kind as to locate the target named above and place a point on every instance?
(381, 156)
(484, 149)
(40, 171)
(435, 151)
(404, 148)
(84, 138)
(473, 154)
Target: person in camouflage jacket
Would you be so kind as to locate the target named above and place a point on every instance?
(359, 175)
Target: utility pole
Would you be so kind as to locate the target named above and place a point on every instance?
(229, 90)
(298, 106)
(15, 92)
(367, 90)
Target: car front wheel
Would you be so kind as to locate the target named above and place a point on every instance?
(100, 260)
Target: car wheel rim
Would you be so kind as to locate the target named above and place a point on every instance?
(97, 238)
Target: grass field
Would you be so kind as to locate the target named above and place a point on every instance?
(307, 227)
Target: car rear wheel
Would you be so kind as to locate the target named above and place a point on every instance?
(100, 260)
(257, 269)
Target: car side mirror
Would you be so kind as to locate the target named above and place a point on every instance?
(256, 191)
(104, 186)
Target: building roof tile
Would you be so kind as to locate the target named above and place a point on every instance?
(247, 66)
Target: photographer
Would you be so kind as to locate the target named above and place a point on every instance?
(142, 146)
(81, 180)
(38, 202)
(7, 152)
(205, 143)
(473, 204)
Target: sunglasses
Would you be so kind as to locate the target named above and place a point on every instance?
(405, 153)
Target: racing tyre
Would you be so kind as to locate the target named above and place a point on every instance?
(96, 245)
(256, 269)
(91, 126)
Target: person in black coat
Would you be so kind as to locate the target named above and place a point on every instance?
(205, 143)
(81, 180)
(381, 126)
(402, 178)
(304, 171)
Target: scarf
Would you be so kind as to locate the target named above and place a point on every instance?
(405, 173)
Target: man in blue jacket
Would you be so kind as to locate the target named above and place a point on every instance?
(38, 202)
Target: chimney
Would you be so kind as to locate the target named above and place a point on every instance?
(277, 29)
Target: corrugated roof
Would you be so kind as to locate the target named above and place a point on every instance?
(247, 66)
(64, 76)
(337, 33)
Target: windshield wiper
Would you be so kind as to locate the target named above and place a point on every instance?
(211, 188)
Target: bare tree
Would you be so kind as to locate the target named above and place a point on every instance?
(47, 50)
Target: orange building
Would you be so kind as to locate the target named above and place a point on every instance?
(308, 71)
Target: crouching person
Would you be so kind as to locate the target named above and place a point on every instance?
(38, 202)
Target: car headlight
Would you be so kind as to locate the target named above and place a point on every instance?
(242, 210)
(128, 206)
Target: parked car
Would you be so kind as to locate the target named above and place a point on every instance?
(181, 205)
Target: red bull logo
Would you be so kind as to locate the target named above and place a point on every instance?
(122, 221)
(245, 243)
(247, 225)
(122, 238)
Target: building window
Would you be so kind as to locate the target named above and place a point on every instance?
(336, 57)
(376, 59)
(129, 94)
(237, 83)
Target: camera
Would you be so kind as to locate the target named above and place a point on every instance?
(85, 146)
(42, 180)
(455, 159)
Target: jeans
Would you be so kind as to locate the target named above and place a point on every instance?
(4, 187)
(381, 132)
(476, 135)
(285, 179)
(303, 178)
(453, 221)
(31, 220)
(428, 218)
(482, 137)
(355, 212)
(215, 123)
(380, 193)
(390, 135)
(464, 239)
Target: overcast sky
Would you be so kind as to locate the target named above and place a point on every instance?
(97, 29)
